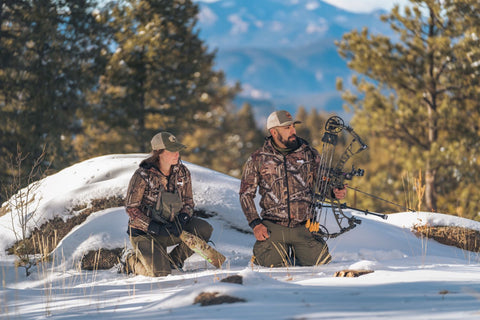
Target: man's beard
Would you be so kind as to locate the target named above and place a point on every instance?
(290, 144)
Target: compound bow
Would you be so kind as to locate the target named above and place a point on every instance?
(330, 177)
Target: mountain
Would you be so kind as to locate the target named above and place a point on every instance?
(282, 51)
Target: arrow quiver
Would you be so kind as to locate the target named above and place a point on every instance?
(330, 176)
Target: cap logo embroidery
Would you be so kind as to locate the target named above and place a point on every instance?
(172, 139)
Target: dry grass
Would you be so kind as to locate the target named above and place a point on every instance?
(213, 298)
(348, 273)
(47, 236)
(4, 210)
(102, 259)
(463, 238)
(51, 232)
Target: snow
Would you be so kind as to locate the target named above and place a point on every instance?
(413, 277)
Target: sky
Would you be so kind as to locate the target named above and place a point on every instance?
(357, 6)
(412, 278)
(365, 6)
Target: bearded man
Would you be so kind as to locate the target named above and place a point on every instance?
(284, 171)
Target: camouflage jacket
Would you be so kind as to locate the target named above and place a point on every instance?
(285, 184)
(145, 187)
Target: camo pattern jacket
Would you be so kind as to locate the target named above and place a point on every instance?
(285, 184)
(145, 187)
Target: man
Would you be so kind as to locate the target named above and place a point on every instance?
(159, 203)
(284, 170)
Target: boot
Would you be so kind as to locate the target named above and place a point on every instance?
(135, 266)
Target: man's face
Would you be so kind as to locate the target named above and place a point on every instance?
(285, 137)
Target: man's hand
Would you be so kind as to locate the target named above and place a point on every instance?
(261, 232)
(340, 193)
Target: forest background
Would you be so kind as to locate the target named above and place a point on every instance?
(78, 80)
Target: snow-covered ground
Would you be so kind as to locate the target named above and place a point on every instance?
(413, 277)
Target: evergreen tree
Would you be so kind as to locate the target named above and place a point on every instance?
(418, 97)
(159, 77)
(315, 121)
(244, 137)
(227, 146)
(11, 30)
(303, 129)
(49, 57)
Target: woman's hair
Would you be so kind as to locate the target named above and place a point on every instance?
(155, 153)
(153, 158)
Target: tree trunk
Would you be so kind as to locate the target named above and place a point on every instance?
(430, 195)
(430, 173)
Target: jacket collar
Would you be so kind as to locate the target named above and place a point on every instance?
(269, 145)
(151, 164)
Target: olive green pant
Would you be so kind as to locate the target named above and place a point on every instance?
(151, 250)
(290, 246)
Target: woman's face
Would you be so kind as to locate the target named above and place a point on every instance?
(168, 157)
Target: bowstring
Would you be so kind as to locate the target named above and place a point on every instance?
(322, 180)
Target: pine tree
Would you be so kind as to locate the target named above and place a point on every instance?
(418, 96)
(315, 121)
(244, 136)
(11, 30)
(228, 145)
(50, 55)
(160, 77)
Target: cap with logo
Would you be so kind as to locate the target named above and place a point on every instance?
(280, 119)
(167, 141)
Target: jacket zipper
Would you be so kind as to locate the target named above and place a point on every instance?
(288, 190)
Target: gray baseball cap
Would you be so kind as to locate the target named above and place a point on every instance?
(167, 141)
(280, 119)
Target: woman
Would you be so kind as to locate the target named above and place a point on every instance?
(159, 203)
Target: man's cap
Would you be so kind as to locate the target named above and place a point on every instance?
(280, 119)
(167, 141)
